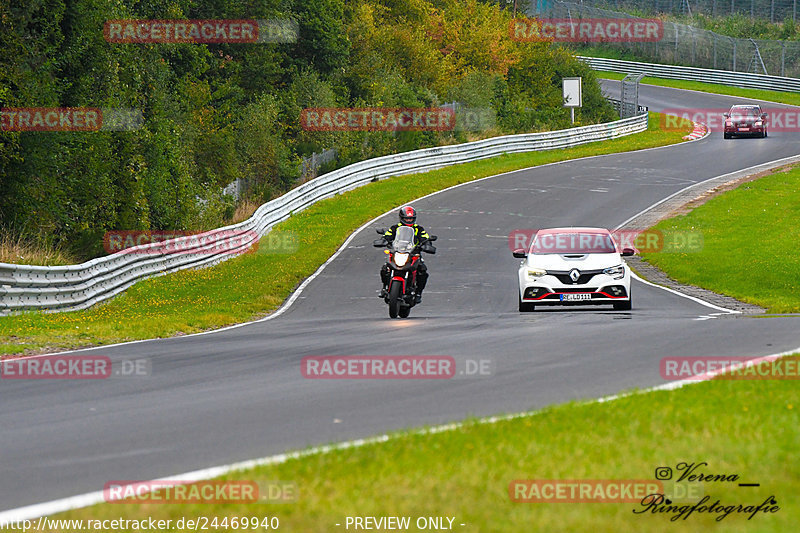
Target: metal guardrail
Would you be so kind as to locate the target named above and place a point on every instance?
(676, 72)
(73, 287)
(617, 105)
(683, 44)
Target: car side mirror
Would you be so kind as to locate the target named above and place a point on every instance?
(726, 115)
(627, 252)
(764, 116)
(520, 253)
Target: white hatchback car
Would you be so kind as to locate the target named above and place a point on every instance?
(566, 266)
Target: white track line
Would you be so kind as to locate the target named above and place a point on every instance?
(296, 294)
(744, 172)
(84, 500)
(92, 498)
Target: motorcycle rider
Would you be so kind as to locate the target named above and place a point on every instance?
(408, 217)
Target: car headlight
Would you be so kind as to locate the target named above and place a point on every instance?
(616, 272)
(536, 272)
(400, 259)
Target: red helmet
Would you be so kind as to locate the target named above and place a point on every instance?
(408, 215)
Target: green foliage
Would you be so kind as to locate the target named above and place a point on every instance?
(216, 113)
(742, 26)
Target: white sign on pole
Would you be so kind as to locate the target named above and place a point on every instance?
(573, 96)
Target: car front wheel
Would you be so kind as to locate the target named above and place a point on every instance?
(622, 306)
(526, 307)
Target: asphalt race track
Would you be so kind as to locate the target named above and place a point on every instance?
(239, 394)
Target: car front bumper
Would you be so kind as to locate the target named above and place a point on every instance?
(548, 290)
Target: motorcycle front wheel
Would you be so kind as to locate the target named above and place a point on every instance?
(394, 300)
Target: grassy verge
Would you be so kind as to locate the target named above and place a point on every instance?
(758, 94)
(746, 428)
(21, 251)
(749, 243)
(255, 284)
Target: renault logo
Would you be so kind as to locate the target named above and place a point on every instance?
(574, 274)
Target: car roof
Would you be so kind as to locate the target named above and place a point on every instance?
(572, 230)
(746, 106)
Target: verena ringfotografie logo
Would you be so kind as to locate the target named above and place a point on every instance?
(777, 118)
(69, 119)
(378, 119)
(701, 368)
(179, 242)
(587, 30)
(73, 367)
(395, 367)
(643, 241)
(199, 492)
(201, 31)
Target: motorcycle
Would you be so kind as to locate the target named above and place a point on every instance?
(403, 260)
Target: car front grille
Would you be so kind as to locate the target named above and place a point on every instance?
(563, 276)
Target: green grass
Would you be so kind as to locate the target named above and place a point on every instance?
(758, 94)
(750, 237)
(252, 285)
(747, 428)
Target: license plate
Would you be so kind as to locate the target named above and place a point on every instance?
(575, 297)
(744, 129)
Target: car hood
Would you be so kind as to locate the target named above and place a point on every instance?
(570, 261)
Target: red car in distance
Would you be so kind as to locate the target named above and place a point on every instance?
(745, 120)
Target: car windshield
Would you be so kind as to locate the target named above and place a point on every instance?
(745, 111)
(573, 243)
(403, 239)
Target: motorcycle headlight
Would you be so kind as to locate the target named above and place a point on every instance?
(536, 272)
(400, 259)
(616, 272)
